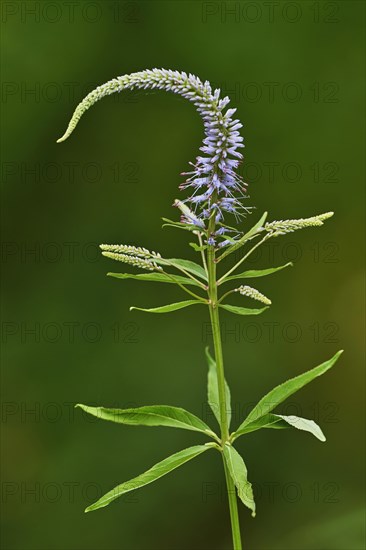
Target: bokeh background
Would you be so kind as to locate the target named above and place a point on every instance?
(294, 70)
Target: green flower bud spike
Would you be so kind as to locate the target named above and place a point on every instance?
(245, 290)
(278, 228)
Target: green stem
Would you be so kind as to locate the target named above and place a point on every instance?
(215, 322)
(184, 288)
(202, 254)
(224, 295)
(233, 505)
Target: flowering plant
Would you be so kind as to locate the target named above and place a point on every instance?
(216, 194)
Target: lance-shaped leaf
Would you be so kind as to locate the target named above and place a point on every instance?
(283, 391)
(158, 470)
(213, 391)
(169, 307)
(187, 265)
(155, 415)
(265, 421)
(239, 474)
(254, 273)
(243, 310)
(278, 421)
(304, 424)
(156, 277)
(250, 234)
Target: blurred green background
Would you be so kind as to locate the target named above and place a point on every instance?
(294, 71)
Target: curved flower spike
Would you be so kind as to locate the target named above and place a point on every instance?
(215, 186)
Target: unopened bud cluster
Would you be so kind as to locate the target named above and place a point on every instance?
(132, 255)
(129, 249)
(282, 227)
(136, 261)
(246, 290)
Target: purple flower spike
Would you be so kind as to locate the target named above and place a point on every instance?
(214, 174)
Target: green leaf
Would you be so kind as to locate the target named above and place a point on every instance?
(168, 308)
(158, 470)
(283, 391)
(198, 248)
(265, 421)
(157, 277)
(304, 424)
(192, 267)
(278, 421)
(226, 237)
(239, 474)
(253, 273)
(213, 391)
(155, 415)
(187, 265)
(243, 310)
(255, 229)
